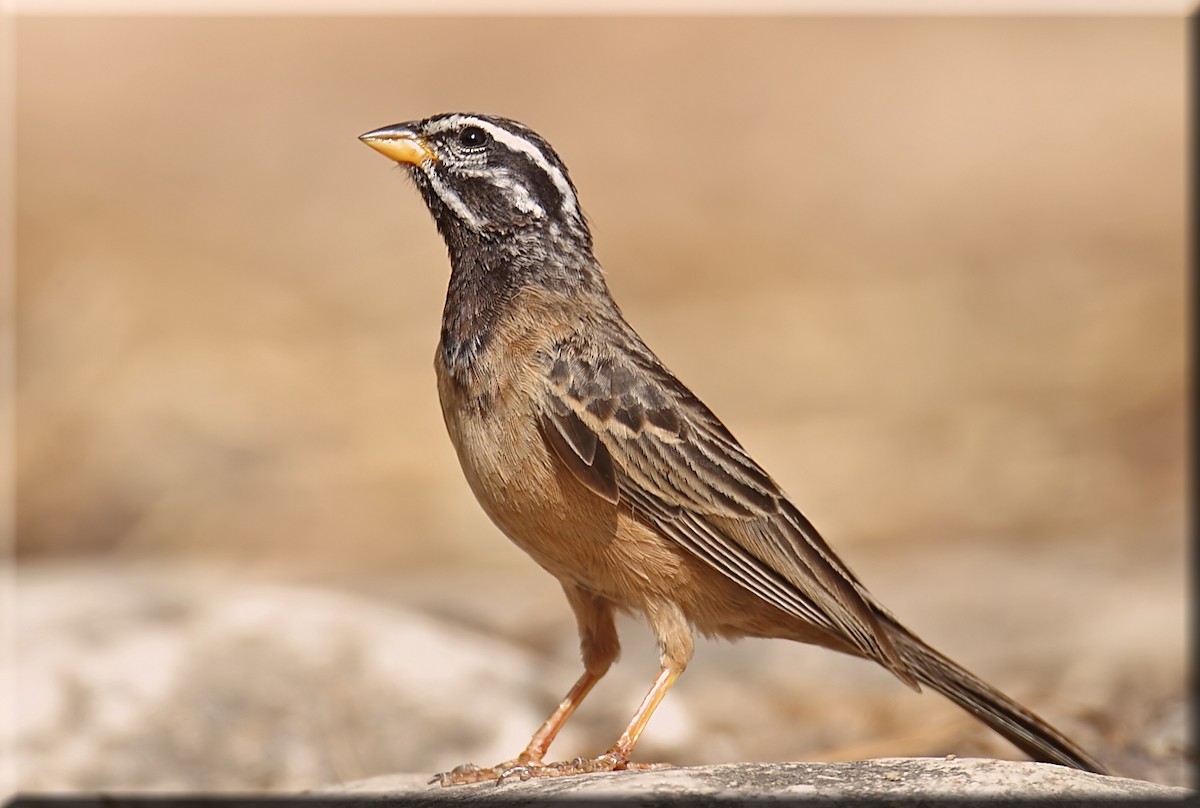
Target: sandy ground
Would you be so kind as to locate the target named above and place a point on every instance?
(930, 271)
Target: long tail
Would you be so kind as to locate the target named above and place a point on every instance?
(1031, 734)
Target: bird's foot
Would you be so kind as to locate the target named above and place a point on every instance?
(608, 762)
(529, 769)
(469, 773)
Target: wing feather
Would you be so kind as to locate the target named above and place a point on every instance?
(631, 432)
(584, 454)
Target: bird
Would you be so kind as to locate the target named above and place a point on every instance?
(600, 464)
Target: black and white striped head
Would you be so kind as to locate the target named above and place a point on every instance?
(488, 176)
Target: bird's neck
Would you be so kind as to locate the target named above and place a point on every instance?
(486, 276)
(480, 292)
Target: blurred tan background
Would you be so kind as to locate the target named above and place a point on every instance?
(929, 270)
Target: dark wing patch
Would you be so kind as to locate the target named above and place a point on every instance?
(582, 452)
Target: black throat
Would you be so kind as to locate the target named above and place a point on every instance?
(485, 276)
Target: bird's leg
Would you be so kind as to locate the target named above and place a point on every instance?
(618, 756)
(542, 739)
(623, 748)
(599, 647)
(675, 651)
(529, 762)
(675, 643)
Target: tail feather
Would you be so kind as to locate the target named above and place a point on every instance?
(1028, 732)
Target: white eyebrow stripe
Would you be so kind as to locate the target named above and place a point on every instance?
(517, 143)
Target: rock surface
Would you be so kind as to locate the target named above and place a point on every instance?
(170, 677)
(815, 783)
(166, 679)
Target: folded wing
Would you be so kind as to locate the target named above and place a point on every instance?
(634, 435)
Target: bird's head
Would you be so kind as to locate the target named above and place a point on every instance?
(485, 177)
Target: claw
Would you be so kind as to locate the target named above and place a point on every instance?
(463, 775)
(522, 771)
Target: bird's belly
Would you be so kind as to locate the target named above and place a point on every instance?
(566, 529)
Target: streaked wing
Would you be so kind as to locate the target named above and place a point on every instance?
(631, 432)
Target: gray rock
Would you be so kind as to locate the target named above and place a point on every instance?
(815, 783)
(172, 679)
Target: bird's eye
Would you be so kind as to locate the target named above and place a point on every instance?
(473, 137)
